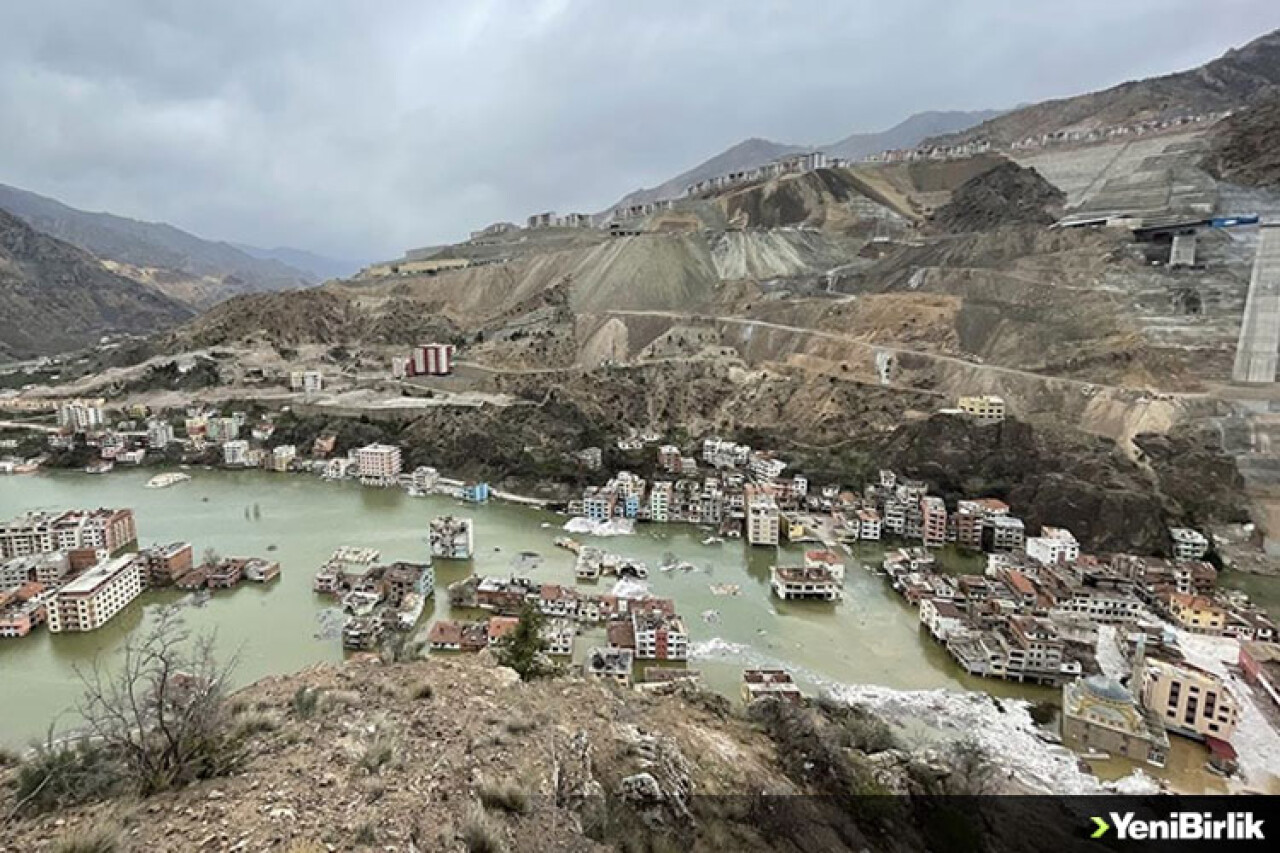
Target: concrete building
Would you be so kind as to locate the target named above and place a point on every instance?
(943, 618)
(610, 664)
(1004, 533)
(81, 415)
(1054, 546)
(306, 381)
(1259, 342)
(111, 530)
(431, 360)
(985, 409)
(1197, 613)
(933, 521)
(1260, 666)
(659, 635)
(378, 464)
(89, 601)
(282, 457)
(164, 564)
(22, 609)
(1098, 714)
(800, 582)
(452, 538)
(235, 453)
(159, 434)
(869, 525)
(1189, 700)
(769, 684)
(763, 517)
(1188, 544)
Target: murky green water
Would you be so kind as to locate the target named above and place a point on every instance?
(872, 637)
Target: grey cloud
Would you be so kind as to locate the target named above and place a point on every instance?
(360, 129)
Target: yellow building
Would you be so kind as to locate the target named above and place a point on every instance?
(1190, 700)
(986, 409)
(1197, 613)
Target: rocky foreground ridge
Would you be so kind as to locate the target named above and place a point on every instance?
(461, 755)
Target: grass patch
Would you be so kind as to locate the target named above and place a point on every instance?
(95, 838)
(366, 834)
(423, 691)
(505, 795)
(306, 701)
(480, 834)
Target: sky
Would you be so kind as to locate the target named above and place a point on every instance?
(358, 129)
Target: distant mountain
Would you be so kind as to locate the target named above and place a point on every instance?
(744, 155)
(909, 133)
(320, 267)
(56, 297)
(757, 152)
(198, 271)
(1237, 78)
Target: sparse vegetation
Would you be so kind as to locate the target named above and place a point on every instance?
(480, 834)
(379, 752)
(306, 700)
(504, 794)
(366, 834)
(422, 691)
(97, 837)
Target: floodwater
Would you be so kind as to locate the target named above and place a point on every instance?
(871, 637)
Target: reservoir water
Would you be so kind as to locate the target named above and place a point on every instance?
(872, 637)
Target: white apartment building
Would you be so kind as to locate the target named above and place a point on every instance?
(763, 518)
(306, 381)
(660, 502)
(1188, 544)
(378, 464)
(39, 532)
(725, 454)
(659, 636)
(81, 415)
(159, 434)
(1054, 545)
(235, 452)
(765, 467)
(89, 601)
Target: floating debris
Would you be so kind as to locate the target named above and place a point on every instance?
(711, 617)
(725, 589)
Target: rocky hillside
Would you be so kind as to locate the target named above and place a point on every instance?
(747, 154)
(1243, 148)
(908, 133)
(1007, 195)
(1234, 79)
(187, 267)
(56, 297)
(459, 754)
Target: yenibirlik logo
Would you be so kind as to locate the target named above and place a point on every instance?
(1180, 826)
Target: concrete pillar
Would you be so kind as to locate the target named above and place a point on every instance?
(1183, 253)
(1259, 344)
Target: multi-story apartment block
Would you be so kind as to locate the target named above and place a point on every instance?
(89, 601)
(159, 434)
(164, 564)
(235, 452)
(765, 466)
(933, 521)
(452, 538)
(81, 415)
(805, 582)
(763, 518)
(869, 525)
(1188, 544)
(1189, 700)
(985, 409)
(659, 635)
(219, 429)
(660, 501)
(1054, 545)
(669, 458)
(38, 532)
(1004, 533)
(598, 503)
(1197, 613)
(378, 464)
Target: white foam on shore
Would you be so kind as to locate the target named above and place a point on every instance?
(612, 527)
(1003, 726)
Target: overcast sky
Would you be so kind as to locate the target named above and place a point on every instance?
(359, 128)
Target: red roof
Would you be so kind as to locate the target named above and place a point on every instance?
(1220, 748)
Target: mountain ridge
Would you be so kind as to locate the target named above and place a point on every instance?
(140, 245)
(55, 296)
